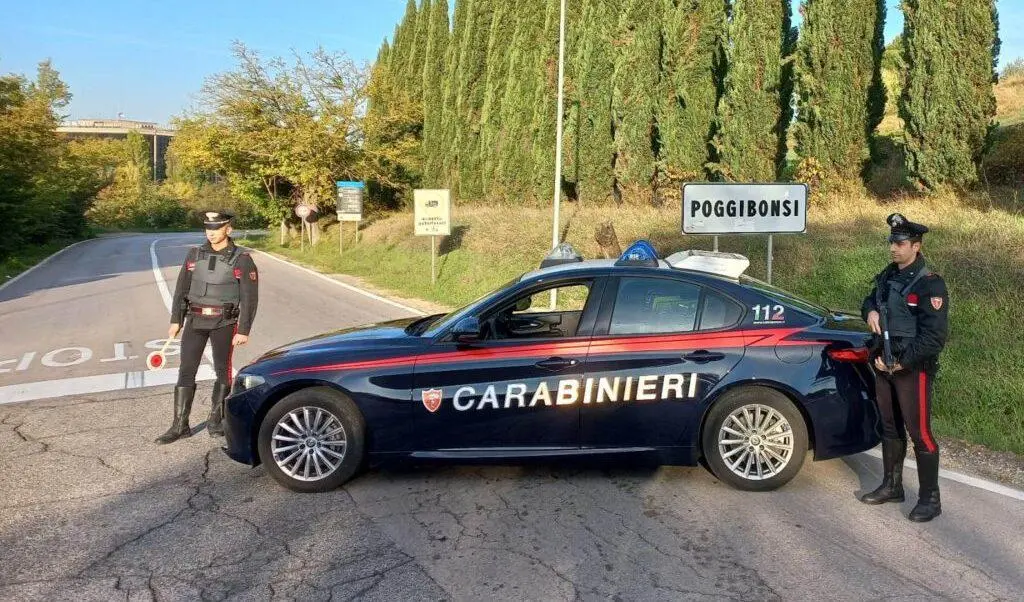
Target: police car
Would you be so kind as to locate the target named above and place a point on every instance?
(678, 360)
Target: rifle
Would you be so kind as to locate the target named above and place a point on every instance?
(883, 322)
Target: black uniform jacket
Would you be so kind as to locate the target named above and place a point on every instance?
(929, 303)
(245, 273)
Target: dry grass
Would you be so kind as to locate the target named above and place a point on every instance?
(1010, 100)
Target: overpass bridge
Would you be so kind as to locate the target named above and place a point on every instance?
(158, 138)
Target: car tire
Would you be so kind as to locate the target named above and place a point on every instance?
(754, 439)
(311, 423)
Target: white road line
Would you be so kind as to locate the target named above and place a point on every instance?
(344, 285)
(98, 383)
(161, 284)
(39, 265)
(963, 478)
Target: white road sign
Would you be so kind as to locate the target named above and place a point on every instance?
(433, 212)
(714, 208)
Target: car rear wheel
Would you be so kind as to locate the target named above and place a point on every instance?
(312, 440)
(755, 439)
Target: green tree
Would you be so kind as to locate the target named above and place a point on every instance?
(635, 95)
(692, 62)
(592, 145)
(515, 155)
(450, 115)
(948, 105)
(434, 73)
(840, 92)
(754, 113)
(471, 74)
(492, 133)
(418, 54)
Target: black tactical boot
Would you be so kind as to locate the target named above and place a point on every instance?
(182, 406)
(213, 423)
(928, 506)
(891, 489)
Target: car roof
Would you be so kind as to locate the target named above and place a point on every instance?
(608, 266)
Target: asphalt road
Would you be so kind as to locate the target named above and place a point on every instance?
(92, 510)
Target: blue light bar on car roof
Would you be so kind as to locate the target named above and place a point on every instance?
(640, 253)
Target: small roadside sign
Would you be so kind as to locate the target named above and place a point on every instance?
(303, 211)
(350, 201)
(433, 212)
(432, 217)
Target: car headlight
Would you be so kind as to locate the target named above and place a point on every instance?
(244, 382)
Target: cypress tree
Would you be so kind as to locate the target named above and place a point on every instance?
(402, 44)
(947, 104)
(492, 135)
(692, 69)
(434, 71)
(418, 51)
(470, 100)
(450, 118)
(754, 112)
(635, 95)
(542, 126)
(515, 156)
(592, 145)
(840, 91)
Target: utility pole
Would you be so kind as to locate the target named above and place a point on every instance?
(555, 222)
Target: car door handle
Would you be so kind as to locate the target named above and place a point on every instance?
(557, 363)
(703, 356)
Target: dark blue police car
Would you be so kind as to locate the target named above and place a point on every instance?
(677, 359)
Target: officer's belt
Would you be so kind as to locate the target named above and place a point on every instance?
(210, 310)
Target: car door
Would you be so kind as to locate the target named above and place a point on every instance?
(514, 389)
(661, 343)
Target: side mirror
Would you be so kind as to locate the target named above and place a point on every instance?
(466, 330)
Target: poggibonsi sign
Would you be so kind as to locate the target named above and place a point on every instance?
(716, 208)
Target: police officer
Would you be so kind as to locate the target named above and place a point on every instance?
(217, 293)
(911, 303)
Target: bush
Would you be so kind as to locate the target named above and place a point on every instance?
(1004, 162)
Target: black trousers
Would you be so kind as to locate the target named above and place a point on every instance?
(905, 404)
(193, 342)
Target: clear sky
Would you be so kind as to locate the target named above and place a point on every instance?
(148, 60)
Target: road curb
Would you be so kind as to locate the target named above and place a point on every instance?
(344, 285)
(42, 263)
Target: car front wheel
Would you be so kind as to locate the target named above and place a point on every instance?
(312, 440)
(755, 439)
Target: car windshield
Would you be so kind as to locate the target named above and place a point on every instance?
(785, 296)
(434, 326)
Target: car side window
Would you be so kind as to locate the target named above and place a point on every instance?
(719, 312)
(654, 305)
(532, 315)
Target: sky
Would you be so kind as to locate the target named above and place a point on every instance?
(148, 60)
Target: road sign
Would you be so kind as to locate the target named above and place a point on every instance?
(303, 211)
(433, 212)
(350, 201)
(713, 208)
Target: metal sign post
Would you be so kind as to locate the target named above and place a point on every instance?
(432, 217)
(350, 207)
(766, 208)
(302, 212)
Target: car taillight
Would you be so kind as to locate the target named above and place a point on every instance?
(856, 354)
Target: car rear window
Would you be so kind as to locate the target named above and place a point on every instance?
(654, 305)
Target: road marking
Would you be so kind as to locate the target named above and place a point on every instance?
(168, 299)
(344, 285)
(963, 478)
(39, 265)
(99, 383)
(84, 355)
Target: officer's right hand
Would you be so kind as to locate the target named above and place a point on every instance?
(873, 322)
(173, 330)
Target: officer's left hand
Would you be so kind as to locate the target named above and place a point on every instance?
(239, 339)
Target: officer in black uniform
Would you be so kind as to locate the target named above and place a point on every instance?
(909, 303)
(217, 291)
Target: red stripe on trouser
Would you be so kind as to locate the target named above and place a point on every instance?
(231, 354)
(922, 403)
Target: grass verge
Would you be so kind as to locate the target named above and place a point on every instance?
(14, 264)
(980, 389)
